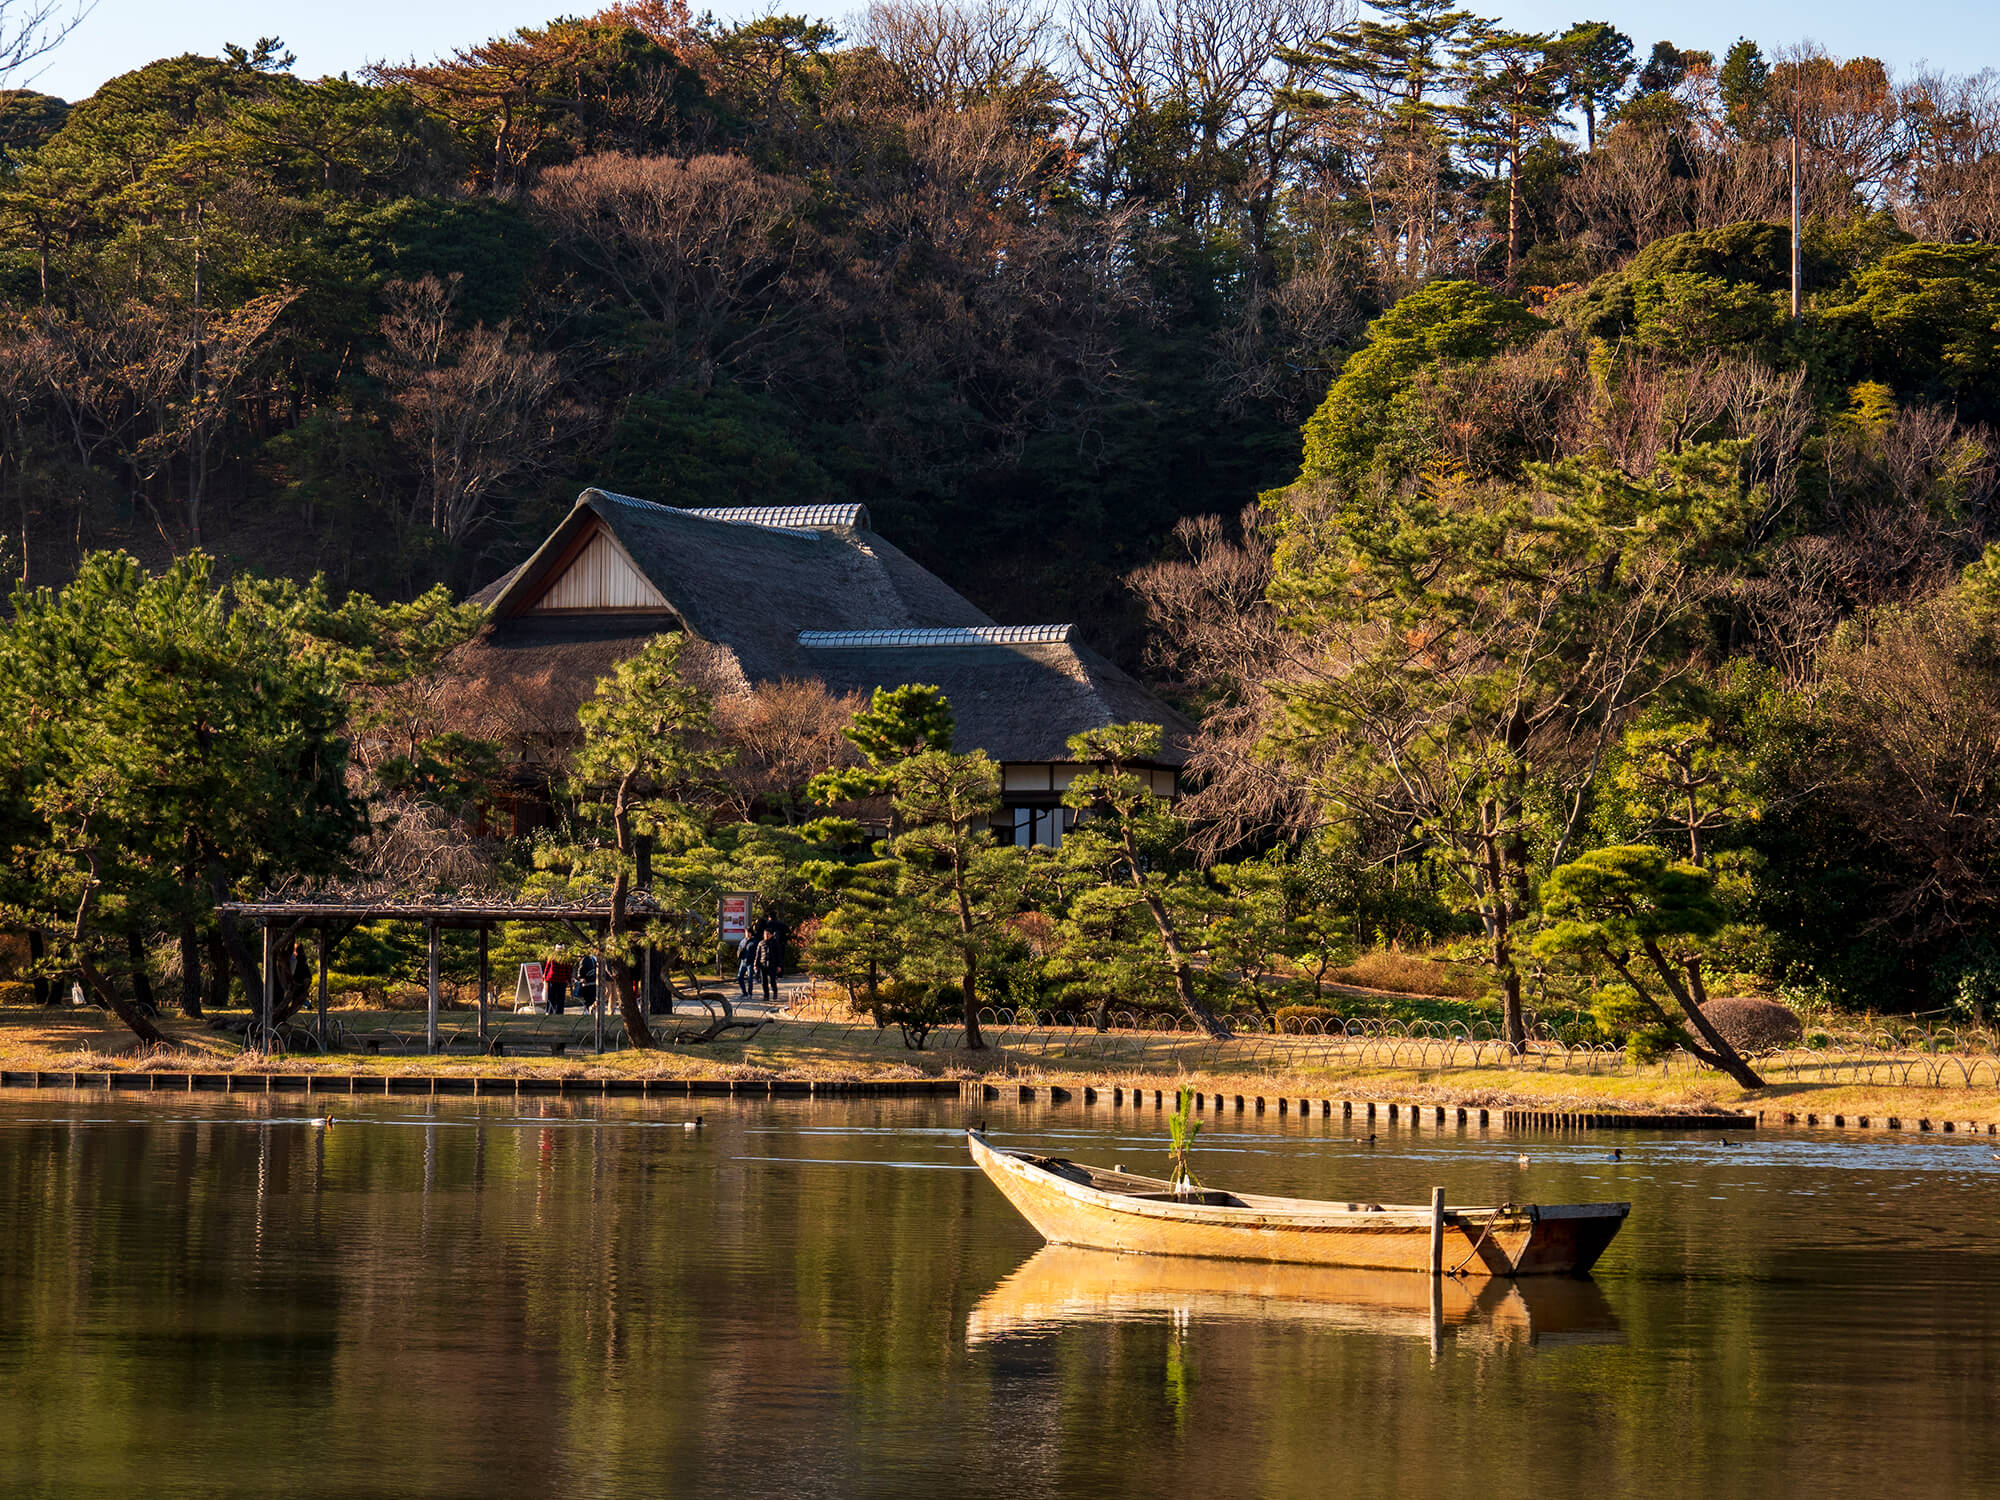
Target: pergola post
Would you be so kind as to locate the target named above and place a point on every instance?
(325, 963)
(597, 996)
(431, 1028)
(268, 1001)
(483, 986)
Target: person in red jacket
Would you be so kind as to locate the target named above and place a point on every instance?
(555, 981)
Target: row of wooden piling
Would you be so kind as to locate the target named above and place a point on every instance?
(1285, 1104)
(476, 1084)
(1885, 1122)
(1415, 1116)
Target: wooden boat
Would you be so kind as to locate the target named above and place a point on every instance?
(1061, 1287)
(1072, 1204)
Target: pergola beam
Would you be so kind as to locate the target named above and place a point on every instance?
(468, 915)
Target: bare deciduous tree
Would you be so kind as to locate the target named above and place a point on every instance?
(952, 53)
(1218, 637)
(475, 408)
(31, 29)
(784, 734)
(699, 246)
(1916, 700)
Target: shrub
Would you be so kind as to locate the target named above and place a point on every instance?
(16, 992)
(1295, 1019)
(1752, 1025)
(1621, 1015)
(913, 1008)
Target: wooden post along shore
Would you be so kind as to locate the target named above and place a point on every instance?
(1437, 1231)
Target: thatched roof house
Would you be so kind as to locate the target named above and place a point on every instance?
(788, 592)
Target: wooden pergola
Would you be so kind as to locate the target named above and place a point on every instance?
(334, 916)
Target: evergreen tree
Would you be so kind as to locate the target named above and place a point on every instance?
(1126, 834)
(959, 882)
(1629, 909)
(642, 760)
(897, 724)
(170, 749)
(1515, 82)
(1744, 82)
(1478, 650)
(1596, 63)
(1391, 82)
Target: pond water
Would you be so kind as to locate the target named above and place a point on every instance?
(212, 1297)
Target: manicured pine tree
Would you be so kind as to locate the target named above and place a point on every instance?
(960, 883)
(1128, 835)
(643, 760)
(1630, 909)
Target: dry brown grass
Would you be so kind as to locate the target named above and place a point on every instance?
(1401, 972)
(78, 1040)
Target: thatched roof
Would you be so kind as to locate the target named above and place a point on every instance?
(803, 592)
(1015, 701)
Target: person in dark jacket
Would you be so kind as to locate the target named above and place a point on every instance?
(301, 977)
(746, 966)
(771, 958)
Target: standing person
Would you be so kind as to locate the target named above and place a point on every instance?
(586, 981)
(555, 980)
(746, 966)
(301, 977)
(770, 960)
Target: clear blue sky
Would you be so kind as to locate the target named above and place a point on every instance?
(333, 36)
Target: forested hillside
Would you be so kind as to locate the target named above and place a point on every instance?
(1566, 568)
(1033, 285)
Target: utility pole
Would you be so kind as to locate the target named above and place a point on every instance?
(1797, 263)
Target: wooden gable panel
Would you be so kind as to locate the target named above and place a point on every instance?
(600, 576)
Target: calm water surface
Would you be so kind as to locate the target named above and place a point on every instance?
(212, 1298)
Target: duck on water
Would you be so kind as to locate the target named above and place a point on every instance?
(1073, 1204)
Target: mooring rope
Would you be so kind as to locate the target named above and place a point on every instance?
(1484, 1234)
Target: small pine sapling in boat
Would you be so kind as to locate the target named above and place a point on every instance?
(1182, 1128)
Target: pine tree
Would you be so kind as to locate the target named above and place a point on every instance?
(1596, 60)
(1125, 835)
(643, 757)
(1511, 103)
(1480, 647)
(1392, 83)
(170, 748)
(960, 883)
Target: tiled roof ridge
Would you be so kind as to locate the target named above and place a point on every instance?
(738, 517)
(811, 518)
(948, 635)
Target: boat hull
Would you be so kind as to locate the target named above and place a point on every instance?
(1069, 1206)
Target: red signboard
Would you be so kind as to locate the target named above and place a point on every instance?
(733, 916)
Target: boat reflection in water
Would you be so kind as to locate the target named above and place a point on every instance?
(1061, 1287)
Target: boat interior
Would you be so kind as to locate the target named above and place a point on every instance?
(1130, 1185)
